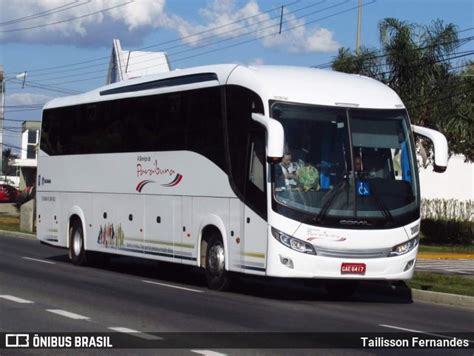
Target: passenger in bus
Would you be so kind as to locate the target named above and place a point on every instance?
(358, 166)
(289, 170)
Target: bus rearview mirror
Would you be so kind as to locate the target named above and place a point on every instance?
(440, 145)
(275, 136)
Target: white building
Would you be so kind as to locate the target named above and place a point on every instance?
(456, 183)
(28, 160)
(126, 65)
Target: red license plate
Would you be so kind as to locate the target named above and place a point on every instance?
(353, 268)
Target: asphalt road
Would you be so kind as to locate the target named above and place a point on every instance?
(40, 291)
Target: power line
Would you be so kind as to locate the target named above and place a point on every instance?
(421, 62)
(45, 13)
(187, 43)
(440, 99)
(48, 87)
(206, 38)
(67, 20)
(236, 44)
(467, 39)
(21, 120)
(13, 146)
(162, 43)
(22, 105)
(462, 41)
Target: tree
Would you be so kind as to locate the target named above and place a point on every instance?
(415, 61)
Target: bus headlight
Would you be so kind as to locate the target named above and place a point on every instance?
(293, 242)
(404, 247)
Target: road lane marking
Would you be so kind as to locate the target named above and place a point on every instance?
(418, 331)
(68, 314)
(37, 260)
(136, 333)
(172, 286)
(15, 299)
(208, 353)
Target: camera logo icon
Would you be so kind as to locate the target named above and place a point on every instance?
(17, 340)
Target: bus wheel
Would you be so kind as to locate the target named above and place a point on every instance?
(341, 289)
(77, 254)
(216, 275)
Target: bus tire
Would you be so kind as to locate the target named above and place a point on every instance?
(216, 275)
(77, 253)
(341, 289)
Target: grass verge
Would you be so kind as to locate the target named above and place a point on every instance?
(446, 248)
(435, 282)
(10, 223)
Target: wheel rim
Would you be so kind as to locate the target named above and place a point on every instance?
(77, 243)
(216, 259)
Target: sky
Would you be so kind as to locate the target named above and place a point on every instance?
(65, 45)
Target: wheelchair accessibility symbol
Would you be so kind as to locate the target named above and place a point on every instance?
(363, 188)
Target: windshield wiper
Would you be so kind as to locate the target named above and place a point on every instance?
(382, 207)
(332, 195)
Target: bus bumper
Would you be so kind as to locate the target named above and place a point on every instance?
(285, 262)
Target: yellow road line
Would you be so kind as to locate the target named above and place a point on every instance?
(445, 256)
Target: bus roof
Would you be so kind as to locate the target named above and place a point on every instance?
(283, 83)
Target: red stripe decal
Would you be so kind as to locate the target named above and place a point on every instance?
(175, 181)
(142, 184)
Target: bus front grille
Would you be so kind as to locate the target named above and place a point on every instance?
(369, 253)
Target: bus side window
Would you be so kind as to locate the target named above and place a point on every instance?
(255, 190)
(257, 163)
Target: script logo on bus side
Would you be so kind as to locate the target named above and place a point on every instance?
(148, 168)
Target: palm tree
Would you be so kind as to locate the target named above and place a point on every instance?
(415, 61)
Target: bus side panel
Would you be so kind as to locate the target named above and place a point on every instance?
(255, 243)
(118, 224)
(162, 225)
(48, 226)
(236, 233)
(186, 243)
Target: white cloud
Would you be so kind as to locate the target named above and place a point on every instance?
(256, 62)
(94, 30)
(295, 37)
(132, 22)
(301, 40)
(26, 99)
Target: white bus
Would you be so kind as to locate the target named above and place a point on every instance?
(271, 170)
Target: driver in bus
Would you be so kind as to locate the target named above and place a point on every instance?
(289, 170)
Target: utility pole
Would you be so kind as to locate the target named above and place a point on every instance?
(359, 24)
(3, 82)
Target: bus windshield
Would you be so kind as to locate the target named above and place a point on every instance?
(342, 164)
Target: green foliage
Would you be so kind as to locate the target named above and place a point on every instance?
(415, 61)
(447, 232)
(447, 221)
(442, 283)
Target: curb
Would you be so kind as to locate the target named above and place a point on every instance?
(417, 295)
(442, 298)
